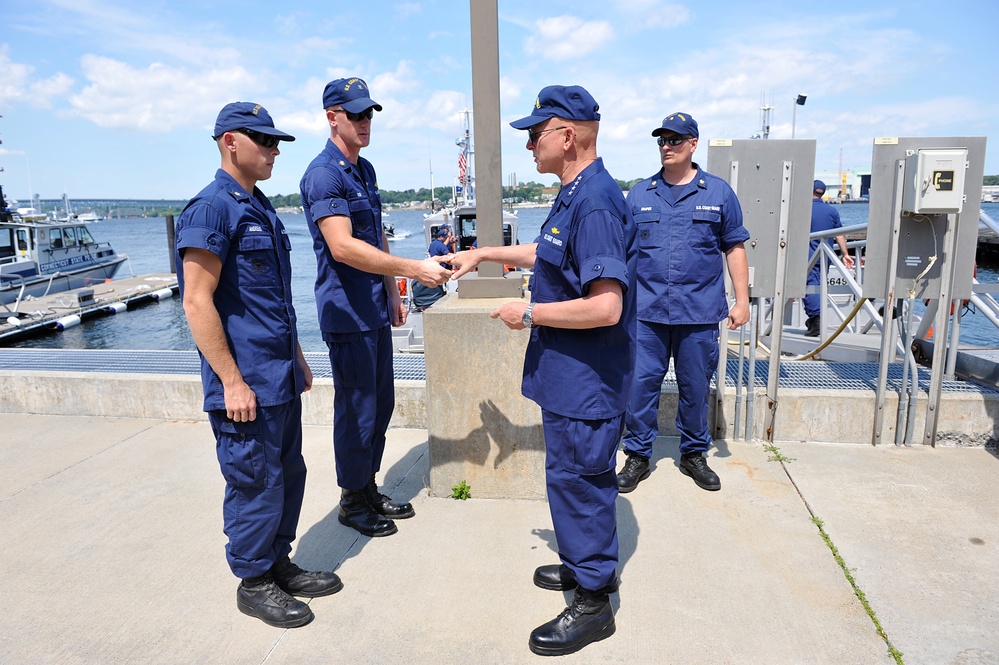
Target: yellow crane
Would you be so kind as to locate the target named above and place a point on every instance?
(842, 177)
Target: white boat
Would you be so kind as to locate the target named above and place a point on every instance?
(464, 225)
(462, 218)
(89, 217)
(40, 257)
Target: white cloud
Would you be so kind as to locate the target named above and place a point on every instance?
(158, 98)
(567, 37)
(17, 86)
(647, 14)
(405, 10)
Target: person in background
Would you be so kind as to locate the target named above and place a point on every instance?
(824, 218)
(425, 296)
(358, 299)
(689, 229)
(235, 283)
(440, 246)
(580, 356)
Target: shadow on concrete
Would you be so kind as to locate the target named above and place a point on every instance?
(328, 544)
(496, 430)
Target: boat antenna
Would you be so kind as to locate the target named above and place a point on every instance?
(431, 161)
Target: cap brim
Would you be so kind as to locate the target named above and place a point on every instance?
(273, 132)
(361, 105)
(529, 121)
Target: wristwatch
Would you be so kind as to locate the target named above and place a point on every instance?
(527, 319)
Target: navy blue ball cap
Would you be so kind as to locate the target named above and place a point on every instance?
(247, 115)
(569, 102)
(819, 187)
(351, 94)
(678, 123)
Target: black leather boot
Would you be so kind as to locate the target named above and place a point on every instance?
(588, 618)
(559, 577)
(262, 598)
(307, 584)
(695, 466)
(635, 470)
(357, 513)
(385, 506)
(812, 326)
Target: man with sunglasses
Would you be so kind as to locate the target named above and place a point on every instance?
(235, 283)
(582, 325)
(358, 299)
(689, 228)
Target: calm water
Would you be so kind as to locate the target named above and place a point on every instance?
(161, 325)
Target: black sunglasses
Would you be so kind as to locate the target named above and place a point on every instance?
(356, 117)
(265, 140)
(535, 136)
(674, 140)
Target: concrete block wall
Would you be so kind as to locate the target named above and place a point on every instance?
(166, 397)
(482, 430)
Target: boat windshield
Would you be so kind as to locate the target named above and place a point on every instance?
(6, 243)
(84, 235)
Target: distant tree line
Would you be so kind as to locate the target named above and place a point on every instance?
(991, 180)
(523, 192)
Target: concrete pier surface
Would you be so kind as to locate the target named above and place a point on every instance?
(113, 552)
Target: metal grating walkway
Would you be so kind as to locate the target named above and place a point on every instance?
(407, 366)
(410, 367)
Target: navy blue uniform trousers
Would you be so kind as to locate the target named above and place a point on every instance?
(694, 349)
(363, 402)
(264, 473)
(582, 489)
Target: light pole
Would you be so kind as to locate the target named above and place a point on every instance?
(800, 101)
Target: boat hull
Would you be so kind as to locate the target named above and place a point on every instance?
(64, 280)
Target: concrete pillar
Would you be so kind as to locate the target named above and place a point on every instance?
(481, 429)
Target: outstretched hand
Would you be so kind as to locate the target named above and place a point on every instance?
(463, 262)
(430, 273)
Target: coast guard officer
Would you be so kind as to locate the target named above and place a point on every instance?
(358, 299)
(688, 222)
(824, 218)
(235, 283)
(582, 321)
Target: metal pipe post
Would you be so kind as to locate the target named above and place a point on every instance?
(170, 244)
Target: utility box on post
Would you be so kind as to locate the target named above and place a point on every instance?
(927, 186)
(757, 170)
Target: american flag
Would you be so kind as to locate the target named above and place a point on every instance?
(462, 165)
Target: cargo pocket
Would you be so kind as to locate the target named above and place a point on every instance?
(241, 454)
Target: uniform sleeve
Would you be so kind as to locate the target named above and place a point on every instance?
(599, 248)
(732, 231)
(323, 194)
(202, 226)
(837, 223)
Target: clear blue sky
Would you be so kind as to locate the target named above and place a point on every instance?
(106, 98)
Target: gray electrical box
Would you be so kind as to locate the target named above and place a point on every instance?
(929, 186)
(771, 178)
(934, 181)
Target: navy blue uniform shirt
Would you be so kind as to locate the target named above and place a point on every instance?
(589, 235)
(253, 296)
(348, 299)
(683, 234)
(824, 218)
